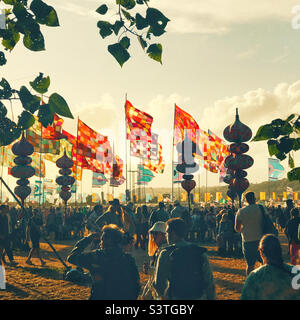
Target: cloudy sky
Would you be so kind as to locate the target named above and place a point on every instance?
(218, 55)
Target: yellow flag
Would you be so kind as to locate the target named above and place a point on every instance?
(262, 196)
(183, 196)
(160, 197)
(207, 196)
(196, 197)
(273, 196)
(295, 195)
(284, 196)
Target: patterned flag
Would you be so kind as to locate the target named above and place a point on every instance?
(116, 182)
(38, 164)
(184, 123)
(142, 146)
(65, 145)
(218, 148)
(41, 145)
(137, 119)
(156, 166)
(117, 167)
(88, 140)
(99, 180)
(276, 170)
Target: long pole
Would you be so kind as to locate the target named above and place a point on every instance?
(172, 152)
(126, 168)
(76, 174)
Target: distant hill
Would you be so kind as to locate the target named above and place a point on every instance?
(268, 187)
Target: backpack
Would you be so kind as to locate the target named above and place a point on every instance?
(119, 277)
(267, 224)
(186, 277)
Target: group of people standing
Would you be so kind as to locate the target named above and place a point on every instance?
(179, 267)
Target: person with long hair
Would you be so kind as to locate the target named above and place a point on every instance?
(272, 280)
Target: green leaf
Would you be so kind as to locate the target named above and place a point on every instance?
(10, 36)
(44, 14)
(46, 115)
(117, 26)
(29, 101)
(285, 145)
(128, 16)
(106, 28)
(127, 4)
(141, 22)
(119, 53)
(34, 41)
(142, 42)
(291, 161)
(2, 59)
(60, 106)
(265, 132)
(25, 120)
(40, 84)
(9, 1)
(296, 145)
(125, 42)
(290, 117)
(102, 9)
(294, 174)
(155, 52)
(272, 147)
(157, 21)
(6, 91)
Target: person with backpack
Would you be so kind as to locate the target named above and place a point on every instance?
(114, 273)
(291, 232)
(183, 271)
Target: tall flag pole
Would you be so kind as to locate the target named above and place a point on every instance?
(172, 174)
(76, 163)
(126, 167)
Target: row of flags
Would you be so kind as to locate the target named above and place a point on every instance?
(91, 150)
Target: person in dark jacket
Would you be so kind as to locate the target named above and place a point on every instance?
(5, 234)
(114, 273)
(291, 232)
(159, 215)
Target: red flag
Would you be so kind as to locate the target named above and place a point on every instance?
(137, 119)
(89, 140)
(184, 122)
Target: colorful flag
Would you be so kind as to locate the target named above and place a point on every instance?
(184, 123)
(156, 166)
(99, 180)
(137, 119)
(276, 170)
(144, 174)
(53, 132)
(89, 140)
(41, 145)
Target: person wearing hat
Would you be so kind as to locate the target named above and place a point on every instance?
(157, 242)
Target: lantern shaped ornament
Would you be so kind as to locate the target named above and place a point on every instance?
(186, 165)
(65, 180)
(23, 171)
(237, 161)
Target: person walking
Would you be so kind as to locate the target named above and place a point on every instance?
(33, 232)
(158, 215)
(182, 271)
(273, 280)
(248, 222)
(5, 235)
(291, 232)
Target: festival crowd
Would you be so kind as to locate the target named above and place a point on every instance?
(174, 240)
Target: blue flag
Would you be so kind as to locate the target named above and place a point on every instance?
(276, 170)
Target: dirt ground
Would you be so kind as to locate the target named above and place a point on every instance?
(25, 282)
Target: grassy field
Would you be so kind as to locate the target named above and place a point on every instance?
(46, 283)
